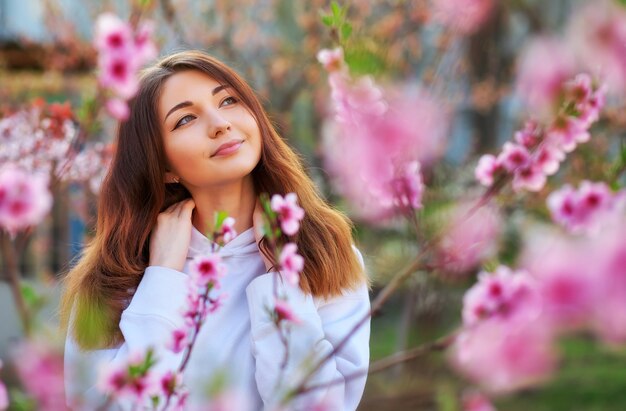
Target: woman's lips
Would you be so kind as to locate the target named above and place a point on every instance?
(227, 148)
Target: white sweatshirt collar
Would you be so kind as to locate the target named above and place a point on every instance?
(243, 244)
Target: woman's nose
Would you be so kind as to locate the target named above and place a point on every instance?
(217, 124)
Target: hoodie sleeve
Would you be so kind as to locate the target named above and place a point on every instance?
(149, 320)
(321, 327)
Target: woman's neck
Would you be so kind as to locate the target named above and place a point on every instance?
(237, 200)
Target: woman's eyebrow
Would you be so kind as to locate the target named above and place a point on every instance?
(189, 103)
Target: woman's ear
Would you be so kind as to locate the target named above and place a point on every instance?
(171, 178)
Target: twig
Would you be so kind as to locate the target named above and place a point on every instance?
(387, 362)
(10, 256)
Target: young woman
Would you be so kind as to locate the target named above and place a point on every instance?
(198, 141)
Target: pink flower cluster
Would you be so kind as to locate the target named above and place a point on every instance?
(24, 199)
(502, 346)
(594, 42)
(206, 271)
(37, 137)
(40, 370)
(291, 263)
(135, 381)
(289, 212)
(462, 16)
(538, 151)
(512, 320)
(586, 209)
(597, 36)
(122, 50)
(374, 146)
(4, 395)
(582, 280)
(40, 139)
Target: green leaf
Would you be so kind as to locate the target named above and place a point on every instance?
(622, 2)
(145, 3)
(328, 20)
(220, 216)
(336, 8)
(30, 295)
(346, 30)
(364, 60)
(21, 401)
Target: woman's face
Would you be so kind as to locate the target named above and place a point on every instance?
(210, 137)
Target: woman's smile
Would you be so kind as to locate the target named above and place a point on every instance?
(227, 148)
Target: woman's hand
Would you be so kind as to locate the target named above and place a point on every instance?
(169, 241)
(257, 222)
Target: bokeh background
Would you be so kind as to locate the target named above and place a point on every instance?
(46, 52)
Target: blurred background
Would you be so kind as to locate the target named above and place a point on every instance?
(46, 54)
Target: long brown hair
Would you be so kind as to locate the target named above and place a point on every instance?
(98, 288)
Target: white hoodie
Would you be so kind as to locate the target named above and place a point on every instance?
(239, 342)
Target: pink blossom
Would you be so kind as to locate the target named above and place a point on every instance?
(40, 370)
(216, 303)
(513, 156)
(467, 239)
(332, 60)
(181, 402)
(124, 380)
(597, 34)
(530, 135)
(486, 169)
(118, 74)
(531, 178)
(289, 213)
(121, 52)
(590, 109)
(207, 269)
(462, 16)
(193, 305)
(228, 229)
(563, 205)
(113, 379)
(543, 68)
(118, 108)
(374, 140)
(504, 356)
(408, 187)
(170, 382)
(585, 209)
(566, 132)
(476, 401)
(24, 199)
(580, 89)
(547, 158)
(179, 340)
(291, 263)
(283, 311)
(504, 295)
(112, 35)
(144, 47)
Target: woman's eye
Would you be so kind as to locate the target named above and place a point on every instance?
(181, 122)
(233, 100)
